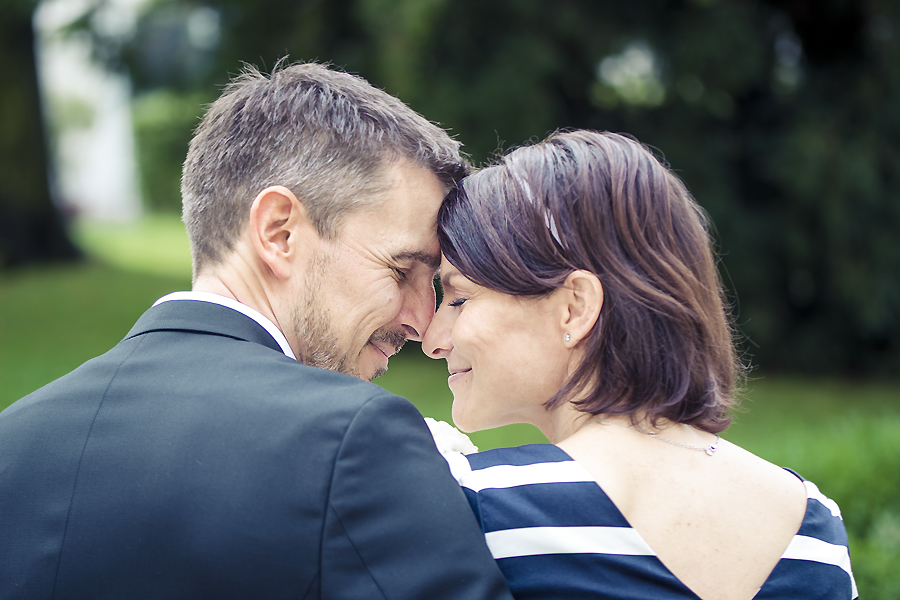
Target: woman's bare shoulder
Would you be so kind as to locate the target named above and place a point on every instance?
(745, 472)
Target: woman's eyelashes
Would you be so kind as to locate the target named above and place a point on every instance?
(457, 303)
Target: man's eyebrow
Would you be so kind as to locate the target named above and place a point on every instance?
(423, 257)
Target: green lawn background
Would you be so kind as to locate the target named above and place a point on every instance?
(842, 434)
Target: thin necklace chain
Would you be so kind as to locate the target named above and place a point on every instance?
(709, 449)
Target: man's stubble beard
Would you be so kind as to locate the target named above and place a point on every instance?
(315, 334)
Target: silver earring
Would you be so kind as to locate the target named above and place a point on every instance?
(567, 338)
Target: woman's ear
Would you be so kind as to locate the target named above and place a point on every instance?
(277, 220)
(583, 294)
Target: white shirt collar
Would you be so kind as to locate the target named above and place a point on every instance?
(254, 314)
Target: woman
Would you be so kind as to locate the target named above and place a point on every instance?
(581, 296)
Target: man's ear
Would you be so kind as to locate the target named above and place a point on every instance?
(277, 222)
(583, 299)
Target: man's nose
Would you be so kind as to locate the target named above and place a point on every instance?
(418, 310)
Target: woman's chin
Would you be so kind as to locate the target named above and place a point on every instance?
(463, 426)
(463, 422)
(473, 424)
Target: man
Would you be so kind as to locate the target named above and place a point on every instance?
(198, 458)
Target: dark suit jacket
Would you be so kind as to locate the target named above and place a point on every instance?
(195, 460)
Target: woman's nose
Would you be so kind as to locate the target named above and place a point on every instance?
(436, 341)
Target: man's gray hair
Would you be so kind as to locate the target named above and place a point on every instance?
(326, 135)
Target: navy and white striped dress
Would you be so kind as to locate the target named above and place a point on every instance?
(556, 534)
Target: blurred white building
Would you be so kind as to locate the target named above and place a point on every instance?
(88, 111)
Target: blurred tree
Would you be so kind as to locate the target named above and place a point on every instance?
(31, 227)
(778, 114)
(832, 170)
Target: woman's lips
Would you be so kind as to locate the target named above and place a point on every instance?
(457, 375)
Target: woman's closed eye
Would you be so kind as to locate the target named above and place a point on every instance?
(457, 303)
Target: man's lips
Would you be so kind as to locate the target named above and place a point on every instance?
(387, 342)
(386, 350)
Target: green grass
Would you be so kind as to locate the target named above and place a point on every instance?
(844, 435)
(54, 318)
(155, 245)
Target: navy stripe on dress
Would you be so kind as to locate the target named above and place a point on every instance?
(556, 534)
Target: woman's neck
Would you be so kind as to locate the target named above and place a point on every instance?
(563, 422)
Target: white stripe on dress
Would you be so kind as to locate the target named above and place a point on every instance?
(532, 541)
(813, 549)
(812, 492)
(507, 476)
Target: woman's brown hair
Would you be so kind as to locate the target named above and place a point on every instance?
(662, 346)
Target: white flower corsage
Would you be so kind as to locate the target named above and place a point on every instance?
(448, 438)
(452, 444)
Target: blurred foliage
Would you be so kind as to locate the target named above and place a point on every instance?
(778, 114)
(163, 123)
